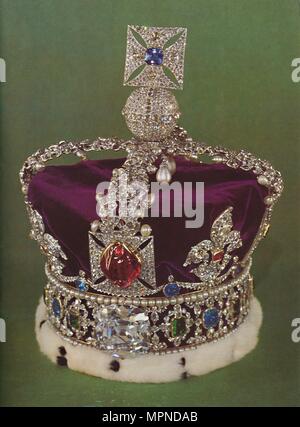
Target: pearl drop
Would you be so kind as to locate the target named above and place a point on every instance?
(94, 225)
(163, 175)
(146, 230)
(171, 165)
(263, 180)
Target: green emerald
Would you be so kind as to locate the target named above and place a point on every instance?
(74, 320)
(178, 327)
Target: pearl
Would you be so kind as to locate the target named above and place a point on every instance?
(218, 159)
(268, 200)
(171, 165)
(39, 167)
(163, 175)
(94, 225)
(263, 180)
(25, 189)
(146, 230)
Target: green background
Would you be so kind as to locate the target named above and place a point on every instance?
(65, 61)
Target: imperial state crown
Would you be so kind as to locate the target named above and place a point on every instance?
(136, 296)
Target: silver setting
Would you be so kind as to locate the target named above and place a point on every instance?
(223, 241)
(48, 245)
(131, 329)
(122, 329)
(145, 284)
(139, 39)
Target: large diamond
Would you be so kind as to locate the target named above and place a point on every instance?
(120, 264)
(122, 328)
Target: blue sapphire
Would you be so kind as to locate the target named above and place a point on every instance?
(171, 290)
(211, 318)
(56, 307)
(81, 284)
(154, 56)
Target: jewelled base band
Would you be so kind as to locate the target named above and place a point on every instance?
(148, 325)
(171, 367)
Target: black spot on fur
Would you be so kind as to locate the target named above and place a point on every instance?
(62, 351)
(184, 376)
(62, 361)
(182, 361)
(115, 365)
(42, 322)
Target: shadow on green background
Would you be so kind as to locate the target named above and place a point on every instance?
(65, 62)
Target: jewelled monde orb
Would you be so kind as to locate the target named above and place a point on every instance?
(151, 114)
(120, 264)
(122, 328)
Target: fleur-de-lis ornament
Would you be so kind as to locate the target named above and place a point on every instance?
(213, 256)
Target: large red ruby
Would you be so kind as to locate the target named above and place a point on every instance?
(120, 264)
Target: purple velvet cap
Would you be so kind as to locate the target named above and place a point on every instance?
(65, 197)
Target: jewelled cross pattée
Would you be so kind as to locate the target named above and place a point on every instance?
(155, 57)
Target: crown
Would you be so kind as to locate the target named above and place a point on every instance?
(122, 281)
